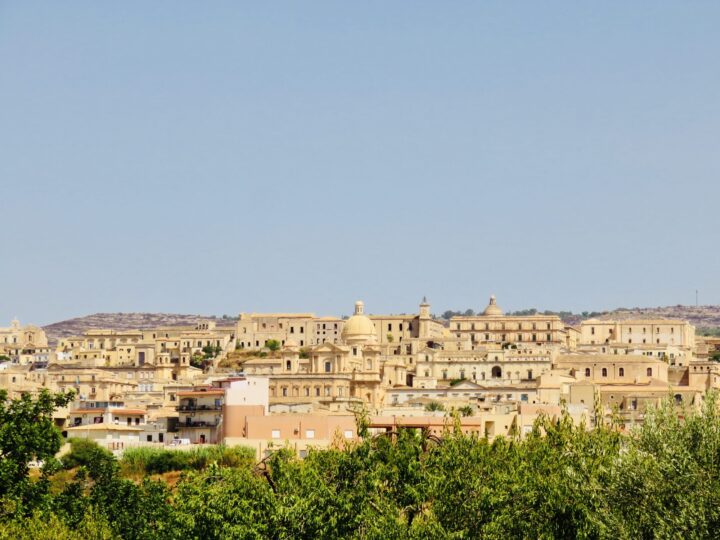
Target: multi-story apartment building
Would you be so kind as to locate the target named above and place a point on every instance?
(202, 409)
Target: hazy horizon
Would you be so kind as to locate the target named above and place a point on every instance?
(184, 158)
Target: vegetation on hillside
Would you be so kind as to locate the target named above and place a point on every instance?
(566, 316)
(559, 481)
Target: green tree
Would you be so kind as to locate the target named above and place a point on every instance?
(466, 410)
(27, 433)
(273, 345)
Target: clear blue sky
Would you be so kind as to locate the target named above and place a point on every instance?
(227, 156)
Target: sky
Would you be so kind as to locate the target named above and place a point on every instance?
(227, 157)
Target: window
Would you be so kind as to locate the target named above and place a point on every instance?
(592, 330)
(275, 434)
(288, 365)
(587, 371)
(328, 366)
(317, 391)
(284, 391)
(496, 372)
(604, 372)
(621, 372)
(309, 433)
(649, 372)
(149, 438)
(348, 434)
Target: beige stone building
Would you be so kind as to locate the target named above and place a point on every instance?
(24, 344)
(171, 346)
(493, 327)
(664, 332)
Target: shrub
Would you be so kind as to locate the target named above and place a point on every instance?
(147, 460)
(434, 406)
(85, 453)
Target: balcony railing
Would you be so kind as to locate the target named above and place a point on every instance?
(193, 408)
(199, 424)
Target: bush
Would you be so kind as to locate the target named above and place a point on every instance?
(148, 460)
(434, 406)
(85, 453)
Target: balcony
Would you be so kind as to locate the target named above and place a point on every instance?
(195, 408)
(199, 424)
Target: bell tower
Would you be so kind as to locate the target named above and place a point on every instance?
(424, 319)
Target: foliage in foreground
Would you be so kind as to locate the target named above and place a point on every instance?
(149, 460)
(560, 481)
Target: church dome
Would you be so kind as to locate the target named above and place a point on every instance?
(359, 327)
(493, 309)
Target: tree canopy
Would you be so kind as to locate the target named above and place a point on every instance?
(561, 480)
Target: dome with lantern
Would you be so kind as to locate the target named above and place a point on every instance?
(359, 328)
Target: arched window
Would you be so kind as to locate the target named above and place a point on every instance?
(496, 372)
(678, 399)
(587, 371)
(621, 372)
(604, 372)
(649, 372)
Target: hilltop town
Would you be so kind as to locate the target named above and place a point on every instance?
(702, 317)
(265, 379)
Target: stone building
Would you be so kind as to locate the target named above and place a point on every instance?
(494, 327)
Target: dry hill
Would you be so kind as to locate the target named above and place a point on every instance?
(126, 321)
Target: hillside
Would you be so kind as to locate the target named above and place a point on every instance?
(703, 317)
(125, 321)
